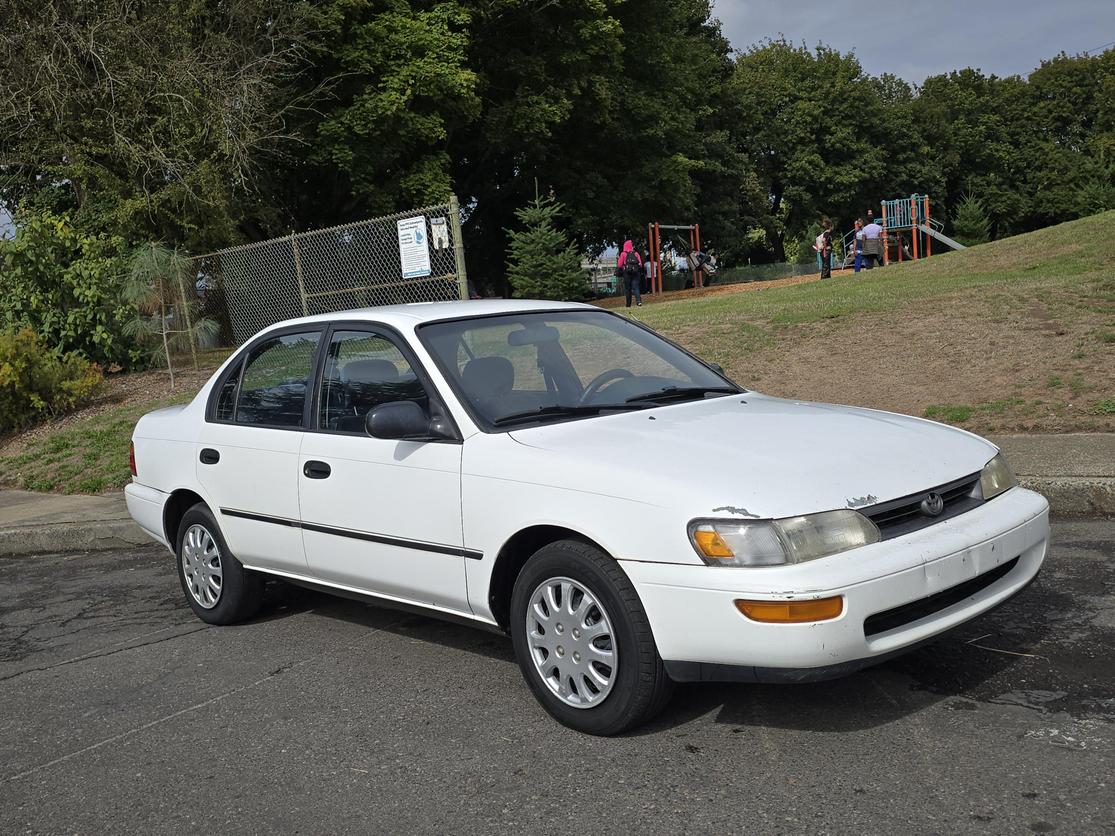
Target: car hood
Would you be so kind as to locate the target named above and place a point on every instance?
(752, 455)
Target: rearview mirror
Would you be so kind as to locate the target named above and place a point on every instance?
(405, 420)
(534, 335)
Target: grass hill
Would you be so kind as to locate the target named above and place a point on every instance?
(1015, 335)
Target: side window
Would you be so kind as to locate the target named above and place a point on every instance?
(273, 389)
(362, 371)
(226, 400)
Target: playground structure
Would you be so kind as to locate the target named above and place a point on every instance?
(654, 245)
(908, 231)
(908, 234)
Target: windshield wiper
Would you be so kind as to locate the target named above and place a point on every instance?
(683, 392)
(562, 409)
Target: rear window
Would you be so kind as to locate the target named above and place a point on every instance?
(273, 388)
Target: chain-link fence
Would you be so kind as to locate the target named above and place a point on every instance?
(414, 256)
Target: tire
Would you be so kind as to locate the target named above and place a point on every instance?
(238, 592)
(610, 698)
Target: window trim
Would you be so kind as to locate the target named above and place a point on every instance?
(401, 343)
(481, 423)
(240, 364)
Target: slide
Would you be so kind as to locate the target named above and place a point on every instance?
(944, 239)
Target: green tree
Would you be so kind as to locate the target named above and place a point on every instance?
(808, 122)
(613, 104)
(978, 128)
(167, 320)
(153, 120)
(542, 263)
(402, 91)
(970, 222)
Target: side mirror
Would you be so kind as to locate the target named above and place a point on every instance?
(716, 367)
(405, 420)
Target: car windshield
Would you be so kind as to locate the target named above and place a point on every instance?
(519, 369)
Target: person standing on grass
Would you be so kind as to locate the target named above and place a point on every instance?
(858, 245)
(651, 267)
(629, 269)
(818, 246)
(872, 245)
(825, 239)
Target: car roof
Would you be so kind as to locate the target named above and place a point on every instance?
(417, 313)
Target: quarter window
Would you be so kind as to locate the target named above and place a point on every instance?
(273, 388)
(362, 371)
(226, 400)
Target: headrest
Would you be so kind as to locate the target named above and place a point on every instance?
(369, 372)
(487, 377)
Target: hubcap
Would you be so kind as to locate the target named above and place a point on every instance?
(201, 566)
(571, 642)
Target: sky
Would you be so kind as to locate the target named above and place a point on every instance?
(919, 39)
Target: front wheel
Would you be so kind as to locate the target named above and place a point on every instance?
(583, 641)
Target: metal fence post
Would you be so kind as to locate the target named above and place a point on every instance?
(298, 273)
(458, 246)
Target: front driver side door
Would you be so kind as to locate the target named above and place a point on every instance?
(378, 515)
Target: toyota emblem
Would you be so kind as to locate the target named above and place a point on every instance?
(933, 505)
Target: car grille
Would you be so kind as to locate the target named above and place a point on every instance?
(904, 515)
(881, 622)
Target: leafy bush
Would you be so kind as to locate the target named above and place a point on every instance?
(36, 382)
(67, 286)
(1104, 407)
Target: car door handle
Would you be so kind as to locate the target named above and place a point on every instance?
(209, 456)
(316, 470)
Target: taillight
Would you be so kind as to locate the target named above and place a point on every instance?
(132, 457)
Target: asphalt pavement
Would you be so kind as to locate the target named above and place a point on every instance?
(120, 712)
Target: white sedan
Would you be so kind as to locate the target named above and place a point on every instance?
(563, 474)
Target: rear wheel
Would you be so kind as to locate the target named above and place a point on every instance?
(217, 586)
(583, 641)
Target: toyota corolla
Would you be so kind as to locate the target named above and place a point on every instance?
(628, 514)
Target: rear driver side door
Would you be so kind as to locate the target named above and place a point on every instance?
(247, 451)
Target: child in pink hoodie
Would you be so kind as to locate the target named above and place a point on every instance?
(629, 268)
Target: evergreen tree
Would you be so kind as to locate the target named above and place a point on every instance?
(542, 263)
(971, 224)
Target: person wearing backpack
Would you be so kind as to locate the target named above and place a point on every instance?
(629, 269)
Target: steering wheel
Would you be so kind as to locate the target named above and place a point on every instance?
(602, 380)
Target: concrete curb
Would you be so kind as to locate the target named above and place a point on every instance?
(1075, 496)
(72, 537)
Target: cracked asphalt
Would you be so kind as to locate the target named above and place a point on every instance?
(119, 712)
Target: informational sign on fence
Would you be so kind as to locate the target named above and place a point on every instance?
(414, 247)
(439, 233)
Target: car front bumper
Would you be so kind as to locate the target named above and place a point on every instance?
(702, 636)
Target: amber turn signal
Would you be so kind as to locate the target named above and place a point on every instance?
(792, 612)
(711, 543)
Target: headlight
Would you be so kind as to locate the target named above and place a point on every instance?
(777, 542)
(996, 477)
